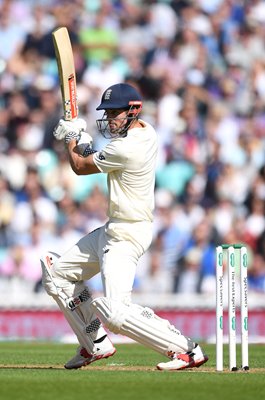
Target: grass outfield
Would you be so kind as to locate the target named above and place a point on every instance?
(35, 371)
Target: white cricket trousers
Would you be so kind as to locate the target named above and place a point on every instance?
(112, 250)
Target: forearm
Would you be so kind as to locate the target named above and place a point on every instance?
(79, 164)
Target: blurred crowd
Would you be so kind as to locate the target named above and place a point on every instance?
(200, 66)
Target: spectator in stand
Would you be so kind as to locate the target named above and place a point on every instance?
(198, 258)
(188, 276)
(33, 205)
(98, 41)
(19, 270)
(169, 241)
(12, 35)
(7, 205)
(261, 244)
(256, 274)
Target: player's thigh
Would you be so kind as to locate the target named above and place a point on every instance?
(118, 270)
(81, 261)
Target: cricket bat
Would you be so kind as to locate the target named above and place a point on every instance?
(66, 70)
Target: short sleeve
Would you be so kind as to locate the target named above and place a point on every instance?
(111, 158)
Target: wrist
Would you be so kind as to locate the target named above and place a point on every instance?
(70, 145)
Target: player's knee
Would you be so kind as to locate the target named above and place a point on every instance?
(111, 312)
(47, 263)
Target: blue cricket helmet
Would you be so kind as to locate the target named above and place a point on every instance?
(120, 96)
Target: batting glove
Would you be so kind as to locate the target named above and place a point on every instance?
(84, 144)
(69, 127)
(85, 138)
(72, 136)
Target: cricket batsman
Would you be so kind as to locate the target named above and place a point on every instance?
(113, 250)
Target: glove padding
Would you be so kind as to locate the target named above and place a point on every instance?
(65, 128)
(84, 144)
(72, 136)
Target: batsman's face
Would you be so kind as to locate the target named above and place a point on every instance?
(116, 119)
(114, 123)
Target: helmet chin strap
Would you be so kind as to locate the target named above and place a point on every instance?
(126, 127)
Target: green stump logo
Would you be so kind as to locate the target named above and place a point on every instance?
(246, 323)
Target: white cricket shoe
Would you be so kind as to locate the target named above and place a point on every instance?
(83, 358)
(185, 360)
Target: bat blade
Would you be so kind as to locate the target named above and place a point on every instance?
(66, 70)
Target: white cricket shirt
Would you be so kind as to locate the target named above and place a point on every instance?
(130, 165)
